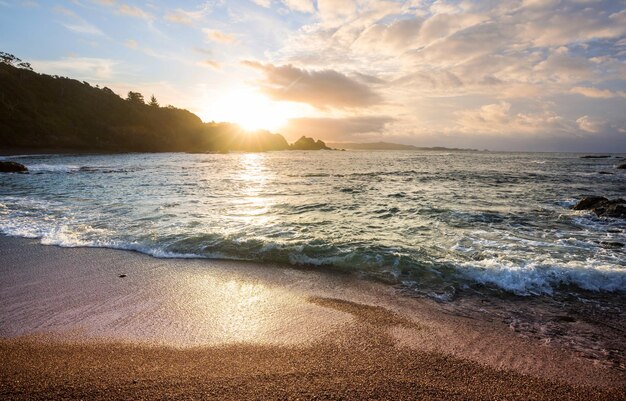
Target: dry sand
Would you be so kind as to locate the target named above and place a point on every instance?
(71, 328)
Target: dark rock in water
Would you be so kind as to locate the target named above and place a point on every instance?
(305, 143)
(605, 173)
(602, 206)
(122, 276)
(12, 167)
(611, 244)
(622, 166)
(595, 157)
(614, 210)
(588, 202)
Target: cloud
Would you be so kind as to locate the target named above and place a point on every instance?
(337, 129)
(183, 17)
(321, 89)
(83, 27)
(563, 23)
(87, 68)
(303, 6)
(133, 11)
(498, 118)
(77, 24)
(590, 124)
(336, 10)
(398, 34)
(131, 44)
(210, 64)
(263, 3)
(562, 66)
(214, 35)
(597, 93)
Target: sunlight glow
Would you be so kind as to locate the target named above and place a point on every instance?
(252, 110)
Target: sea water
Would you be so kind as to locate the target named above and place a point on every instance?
(430, 222)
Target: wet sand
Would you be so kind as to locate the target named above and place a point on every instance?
(71, 328)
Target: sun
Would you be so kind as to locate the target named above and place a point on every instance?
(251, 110)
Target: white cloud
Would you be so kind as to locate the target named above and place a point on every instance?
(304, 6)
(183, 17)
(133, 11)
(332, 11)
(590, 124)
(86, 68)
(77, 24)
(263, 3)
(597, 93)
(498, 118)
(215, 35)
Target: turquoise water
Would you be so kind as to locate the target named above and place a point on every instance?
(432, 222)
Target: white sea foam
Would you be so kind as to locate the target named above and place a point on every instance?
(543, 276)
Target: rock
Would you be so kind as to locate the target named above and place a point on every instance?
(614, 210)
(622, 166)
(602, 206)
(588, 202)
(12, 167)
(595, 157)
(305, 143)
(122, 276)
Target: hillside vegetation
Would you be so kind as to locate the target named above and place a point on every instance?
(39, 111)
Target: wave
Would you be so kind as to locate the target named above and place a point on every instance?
(544, 276)
(540, 276)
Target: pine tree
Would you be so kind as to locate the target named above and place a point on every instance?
(153, 101)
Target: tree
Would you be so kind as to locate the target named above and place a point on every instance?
(153, 101)
(10, 59)
(25, 66)
(135, 97)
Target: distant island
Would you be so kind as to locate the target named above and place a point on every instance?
(43, 113)
(390, 146)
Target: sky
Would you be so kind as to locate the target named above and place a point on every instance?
(538, 75)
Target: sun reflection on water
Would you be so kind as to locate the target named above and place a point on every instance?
(252, 206)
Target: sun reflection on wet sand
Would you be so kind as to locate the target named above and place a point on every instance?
(212, 306)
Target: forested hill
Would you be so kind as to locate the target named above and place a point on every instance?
(39, 111)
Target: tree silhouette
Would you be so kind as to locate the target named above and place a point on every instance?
(8, 58)
(135, 97)
(153, 101)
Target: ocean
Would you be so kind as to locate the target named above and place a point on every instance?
(432, 223)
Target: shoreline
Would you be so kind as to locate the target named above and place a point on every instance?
(72, 328)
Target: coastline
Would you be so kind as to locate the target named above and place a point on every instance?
(72, 328)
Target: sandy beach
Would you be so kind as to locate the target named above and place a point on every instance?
(72, 328)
